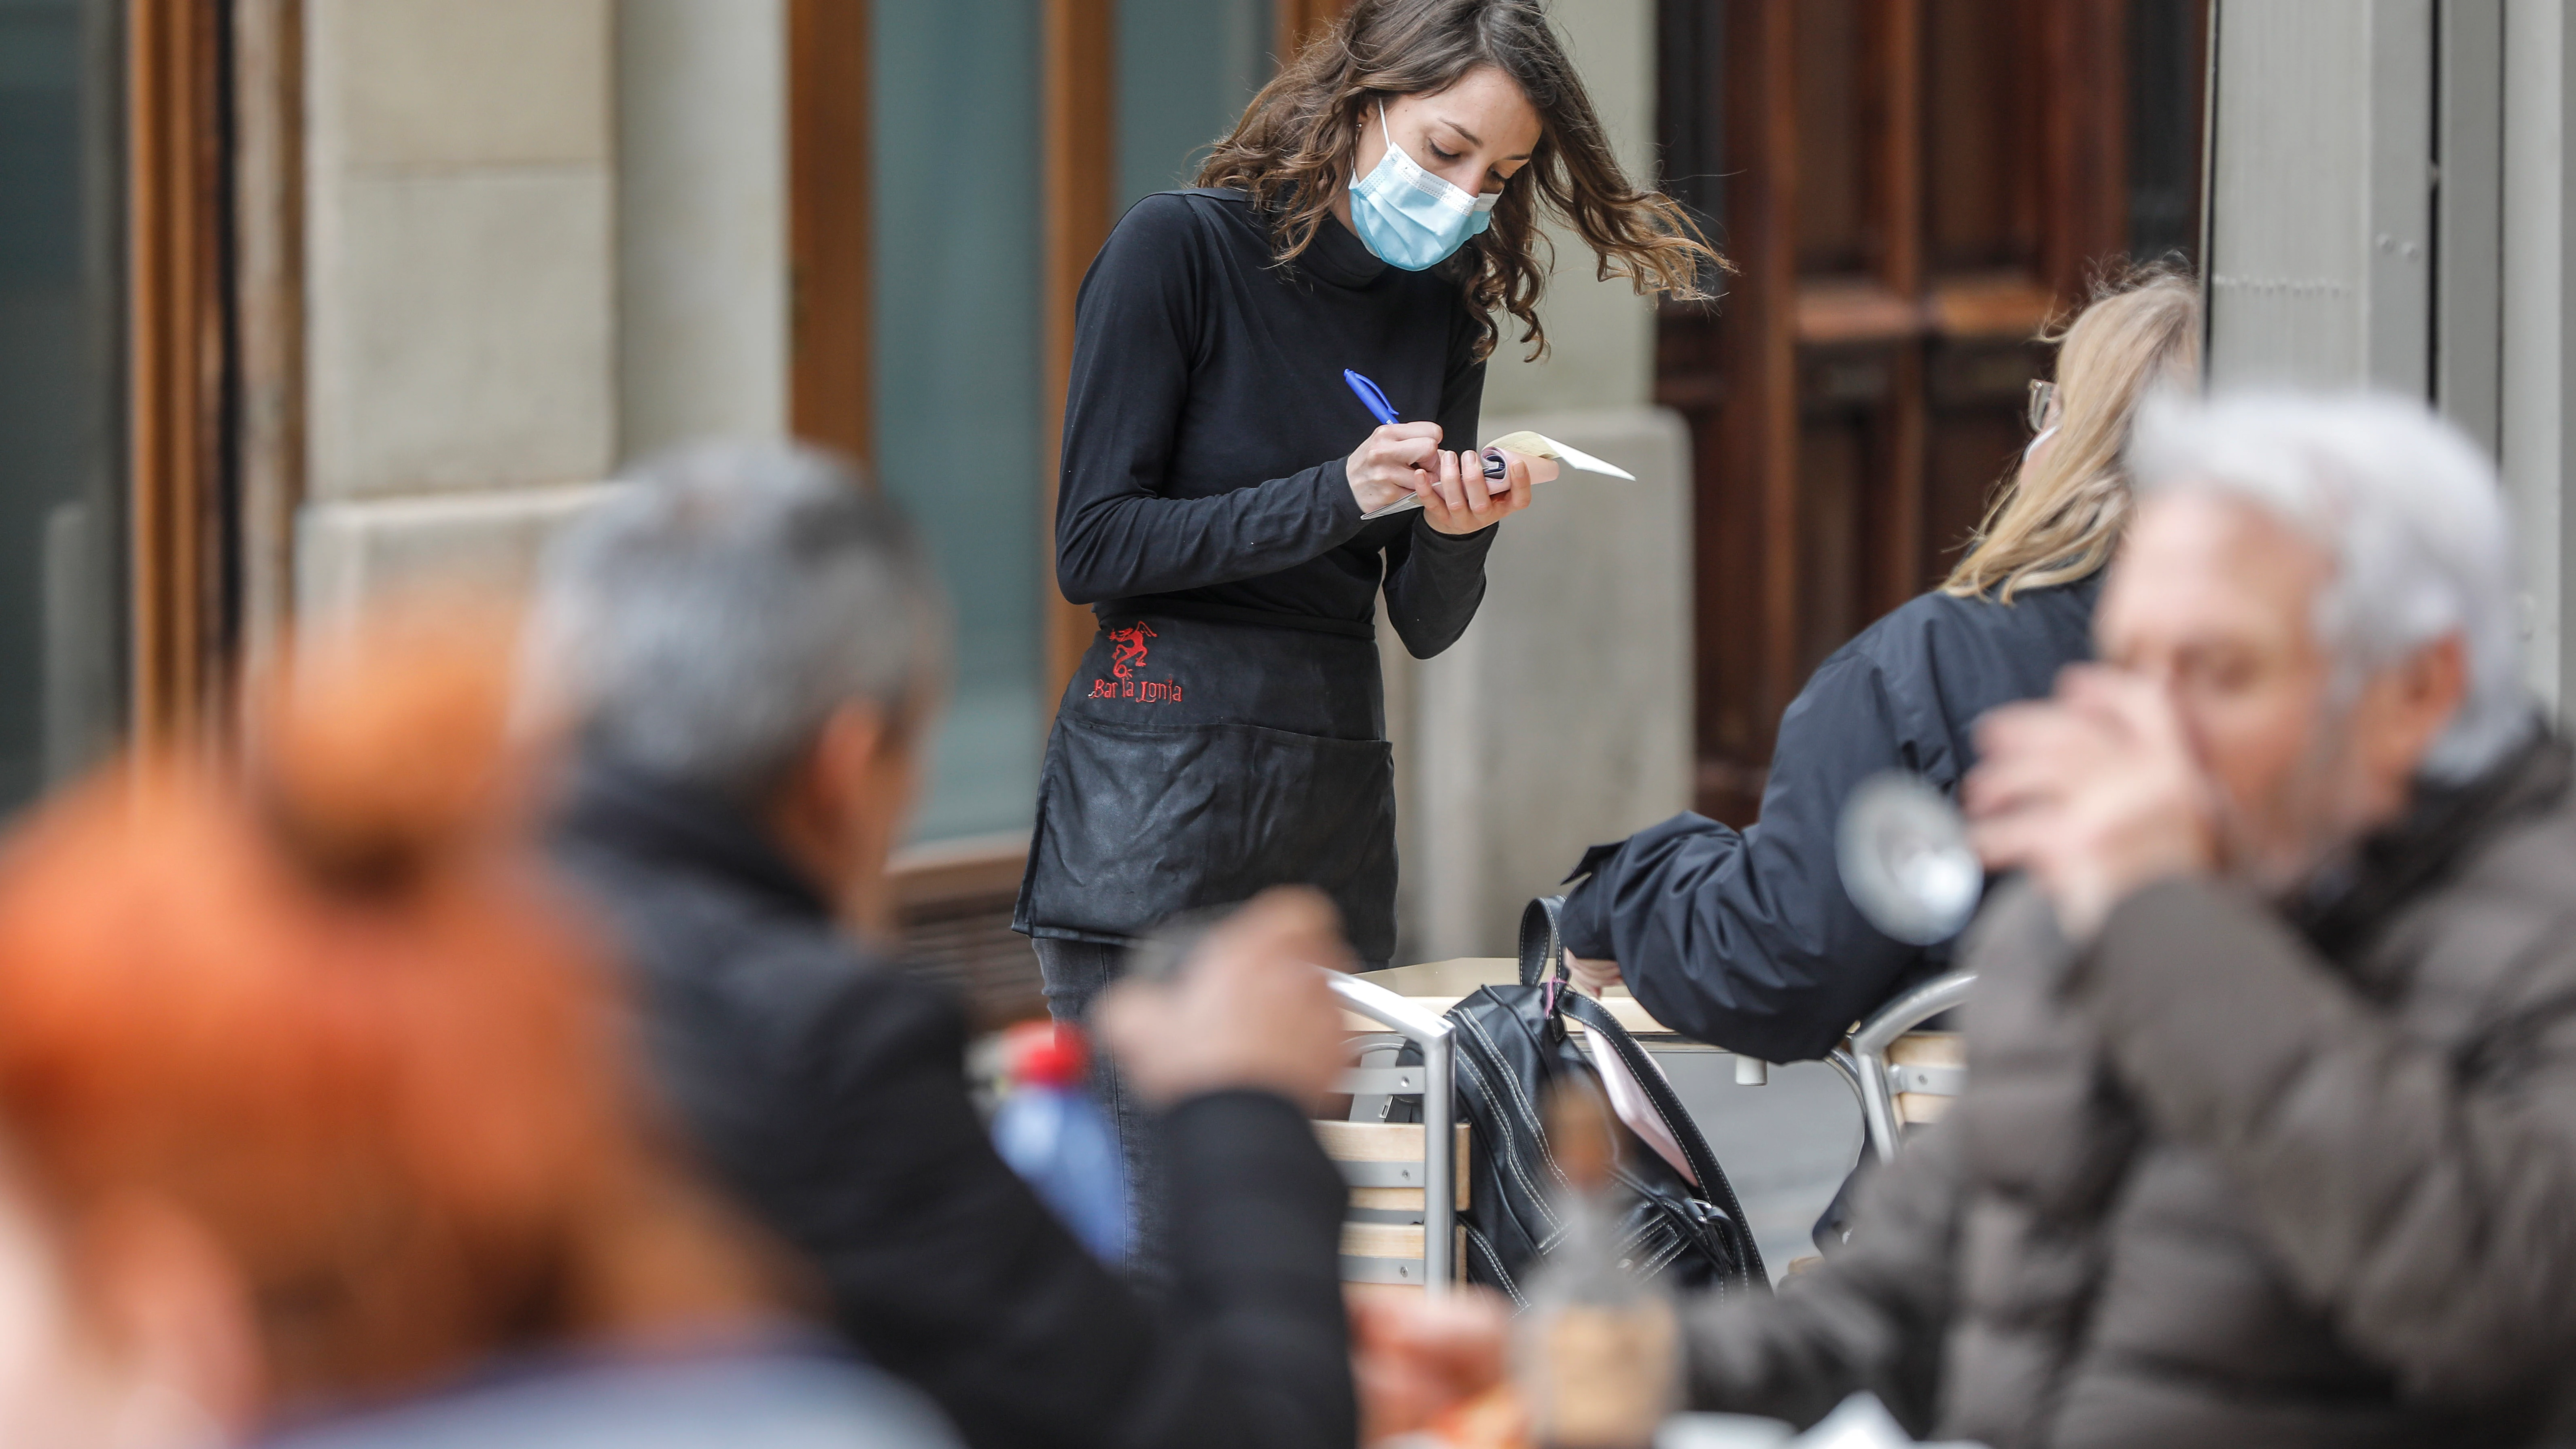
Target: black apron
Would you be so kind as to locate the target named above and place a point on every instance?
(1202, 754)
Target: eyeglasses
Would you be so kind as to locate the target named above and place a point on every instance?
(2043, 401)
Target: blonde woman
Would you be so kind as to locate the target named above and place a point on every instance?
(1745, 939)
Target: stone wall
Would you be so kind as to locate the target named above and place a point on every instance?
(701, 220)
(539, 236)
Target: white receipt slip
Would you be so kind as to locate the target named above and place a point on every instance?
(1535, 445)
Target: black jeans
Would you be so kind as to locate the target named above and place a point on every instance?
(1075, 972)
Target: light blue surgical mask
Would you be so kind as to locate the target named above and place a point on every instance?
(1409, 217)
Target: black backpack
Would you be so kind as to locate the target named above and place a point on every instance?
(1511, 1045)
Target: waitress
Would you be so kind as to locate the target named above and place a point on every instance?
(1374, 208)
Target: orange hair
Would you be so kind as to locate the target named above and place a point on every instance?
(332, 1011)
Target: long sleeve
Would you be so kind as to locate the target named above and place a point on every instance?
(1748, 940)
(1435, 581)
(945, 1266)
(1871, 1317)
(2420, 1196)
(1122, 528)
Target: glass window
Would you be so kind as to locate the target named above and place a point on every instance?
(1186, 69)
(59, 444)
(958, 331)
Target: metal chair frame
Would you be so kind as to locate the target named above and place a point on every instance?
(1436, 1172)
(1865, 1068)
(1862, 1060)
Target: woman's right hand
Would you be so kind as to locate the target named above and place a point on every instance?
(1592, 977)
(1385, 466)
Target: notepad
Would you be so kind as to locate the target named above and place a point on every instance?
(1535, 445)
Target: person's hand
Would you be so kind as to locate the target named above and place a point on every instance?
(1391, 462)
(1592, 977)
(2094, 792)
(1457, 498)
(1414, 1357)
(1250, 1008)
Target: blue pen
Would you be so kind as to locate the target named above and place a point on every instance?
(1370, 398)
(1375, 401)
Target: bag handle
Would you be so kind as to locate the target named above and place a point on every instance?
(1542, 942)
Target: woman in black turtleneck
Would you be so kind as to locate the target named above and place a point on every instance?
(1222, 489)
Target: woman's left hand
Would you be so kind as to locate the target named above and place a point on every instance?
(1455, 500)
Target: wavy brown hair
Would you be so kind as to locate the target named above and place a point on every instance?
(1293, 152)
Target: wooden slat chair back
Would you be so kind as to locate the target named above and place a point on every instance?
(1382, 1231)
(1927, 1070)
(1407, 1185)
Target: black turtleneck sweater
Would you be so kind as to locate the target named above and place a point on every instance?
(1207, 423)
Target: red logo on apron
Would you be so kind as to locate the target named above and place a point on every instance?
(1126, 651)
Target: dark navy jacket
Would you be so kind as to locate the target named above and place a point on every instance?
(1746, 940)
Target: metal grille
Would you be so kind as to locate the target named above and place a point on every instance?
(969, 946)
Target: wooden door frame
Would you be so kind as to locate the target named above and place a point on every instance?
(178, 345)
(830, 229)
(1078, 121)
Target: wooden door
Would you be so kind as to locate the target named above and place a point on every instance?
(1909, 190)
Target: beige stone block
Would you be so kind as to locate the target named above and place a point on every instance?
(702, 220)
(445, 83)
(1563, 716)
(486, 543)
(462, 332)
(1600, 340)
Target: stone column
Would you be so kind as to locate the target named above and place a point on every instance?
(2390, 206)
(2320, 195)
(701, 220)
(2538, 346)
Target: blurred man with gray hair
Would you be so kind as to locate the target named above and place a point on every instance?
(746, 648)
(2270, 1136)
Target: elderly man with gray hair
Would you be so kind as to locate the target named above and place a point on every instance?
(2270, 1136)
(746, 647)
